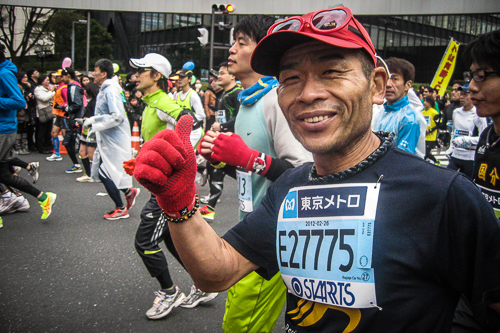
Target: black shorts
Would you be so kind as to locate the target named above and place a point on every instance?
(61, 122)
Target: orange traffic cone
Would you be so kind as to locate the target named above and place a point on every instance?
(62, 149)
(136, 142)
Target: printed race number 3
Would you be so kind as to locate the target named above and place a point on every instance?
(244, 190)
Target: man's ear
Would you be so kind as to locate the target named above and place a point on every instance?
(157, 76)
(378, 83)
(408, 85)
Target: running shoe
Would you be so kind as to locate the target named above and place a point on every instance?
(74, 169)
(204, 200)
(134, 192)
(22, 204)
(84, 179)
(7, 202)
(117, 214)
(1, 222)
(207, 212)
(17, 169)
(54, 157)
(47, 204)
(34, 171)
(164, 303)
(196, 296)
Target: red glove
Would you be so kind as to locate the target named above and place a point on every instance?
(232, 150)
(129, 166)
(166, 166)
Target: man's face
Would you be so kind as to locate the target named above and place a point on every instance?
(240, 54)
(426, 92)
(58, 79)
(66, 78)
(35, 75)
(455, 93)
(434, 94)
(99, 77)
(144, 80)
(325, 97)
(224, 79)
(183, 81)
(134, 77)
(396, 88)
(485, 95)
(465, 100)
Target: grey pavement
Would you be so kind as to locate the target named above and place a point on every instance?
(76, 272)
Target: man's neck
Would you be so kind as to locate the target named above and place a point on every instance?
(331, 163)
(185, 89)
(148, 91)
(468, 107)
(496, 124)
(250, 79)
(231, 86)
(390, 103)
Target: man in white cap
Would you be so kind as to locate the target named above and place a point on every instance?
(368, 238)
(160, 113)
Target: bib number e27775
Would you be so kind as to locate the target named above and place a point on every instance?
(324, 243)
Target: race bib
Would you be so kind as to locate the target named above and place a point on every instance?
(428, 120)
(244, 179)
(220, 116)
(459, 133)
(324, 243)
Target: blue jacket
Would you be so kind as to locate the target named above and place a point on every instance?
(11, 98)
(407, 124)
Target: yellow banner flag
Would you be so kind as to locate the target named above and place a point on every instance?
(446, 68)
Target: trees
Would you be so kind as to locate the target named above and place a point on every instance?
(33, 30)
(100, 40)
(25, 29)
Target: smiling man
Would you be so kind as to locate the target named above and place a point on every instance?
(399, 116)
(368, 238)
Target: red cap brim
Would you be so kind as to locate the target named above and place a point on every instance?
(268, 53)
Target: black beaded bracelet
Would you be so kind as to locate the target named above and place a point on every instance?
(187, 215)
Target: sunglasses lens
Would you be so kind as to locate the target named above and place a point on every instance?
(293, 25)
(329, 20)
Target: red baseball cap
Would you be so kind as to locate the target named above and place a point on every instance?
(335, 26)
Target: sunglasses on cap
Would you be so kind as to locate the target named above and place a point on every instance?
(324, 22)
(478, 75)
(143, 69)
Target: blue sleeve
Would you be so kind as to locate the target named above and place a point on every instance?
(12, 98)
(408, 136)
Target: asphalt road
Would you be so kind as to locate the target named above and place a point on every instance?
(76, 272)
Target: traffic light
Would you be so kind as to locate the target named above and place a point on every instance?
(222, 8)
(203, 36)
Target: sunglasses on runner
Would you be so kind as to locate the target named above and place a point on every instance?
(325, 22)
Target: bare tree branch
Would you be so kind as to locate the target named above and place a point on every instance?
(35, 29)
